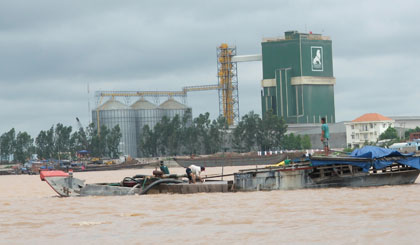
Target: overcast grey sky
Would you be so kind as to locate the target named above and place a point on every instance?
(50, 50)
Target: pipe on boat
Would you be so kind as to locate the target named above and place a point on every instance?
(158, 182)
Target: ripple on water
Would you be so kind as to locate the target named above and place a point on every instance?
(132, 215)
(90, 223)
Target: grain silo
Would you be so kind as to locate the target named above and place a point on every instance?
(113, 113)
(171, 107)
(146, 113)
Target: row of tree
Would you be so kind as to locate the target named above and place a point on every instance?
(60, 142)
(180, 136)
(265, 134)
(176, 136)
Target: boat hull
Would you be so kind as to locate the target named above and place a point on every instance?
(299, 178)
(70, 187)
(372, 179)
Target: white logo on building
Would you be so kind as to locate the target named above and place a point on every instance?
(317, 59)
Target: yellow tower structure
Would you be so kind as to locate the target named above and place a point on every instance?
(228, 83)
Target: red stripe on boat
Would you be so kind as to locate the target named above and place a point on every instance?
(52, 173)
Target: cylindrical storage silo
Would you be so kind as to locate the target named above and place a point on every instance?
(113, 113)
(146, 113)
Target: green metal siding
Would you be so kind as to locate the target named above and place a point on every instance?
(276, 55)
(318, 102)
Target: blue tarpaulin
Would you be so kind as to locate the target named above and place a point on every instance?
(413, 162)
(375, 157)
(376, 152)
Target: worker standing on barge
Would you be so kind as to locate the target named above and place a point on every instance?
(194, 172)
(325, 135)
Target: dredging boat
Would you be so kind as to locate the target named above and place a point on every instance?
(369, 166)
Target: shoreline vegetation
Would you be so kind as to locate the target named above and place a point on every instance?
(170, 137)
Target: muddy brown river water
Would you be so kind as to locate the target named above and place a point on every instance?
(31, 213)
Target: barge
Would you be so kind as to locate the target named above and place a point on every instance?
(369, 166)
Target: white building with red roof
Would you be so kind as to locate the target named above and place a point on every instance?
(366, 128)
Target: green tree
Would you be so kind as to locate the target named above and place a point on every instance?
(7, 144)
(173, 133)
(292, 142)
(250, 130)
(237, 141)
(62, 141)
(79, 140)
(24, 147)
(215, 137)
(113, 141)
(298, 143)
(97, 142)
(45, 144)
(189, 134)
(271, 132)
(306, 142)
(202, 125)
(162, 133)
(390, 133)
(148, 142)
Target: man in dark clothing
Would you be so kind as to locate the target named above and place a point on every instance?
(164, 168)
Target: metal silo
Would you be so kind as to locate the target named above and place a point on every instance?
(113, 113)
(146, 113)
(171, 107)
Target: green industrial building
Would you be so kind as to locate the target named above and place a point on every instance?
(298, 81)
